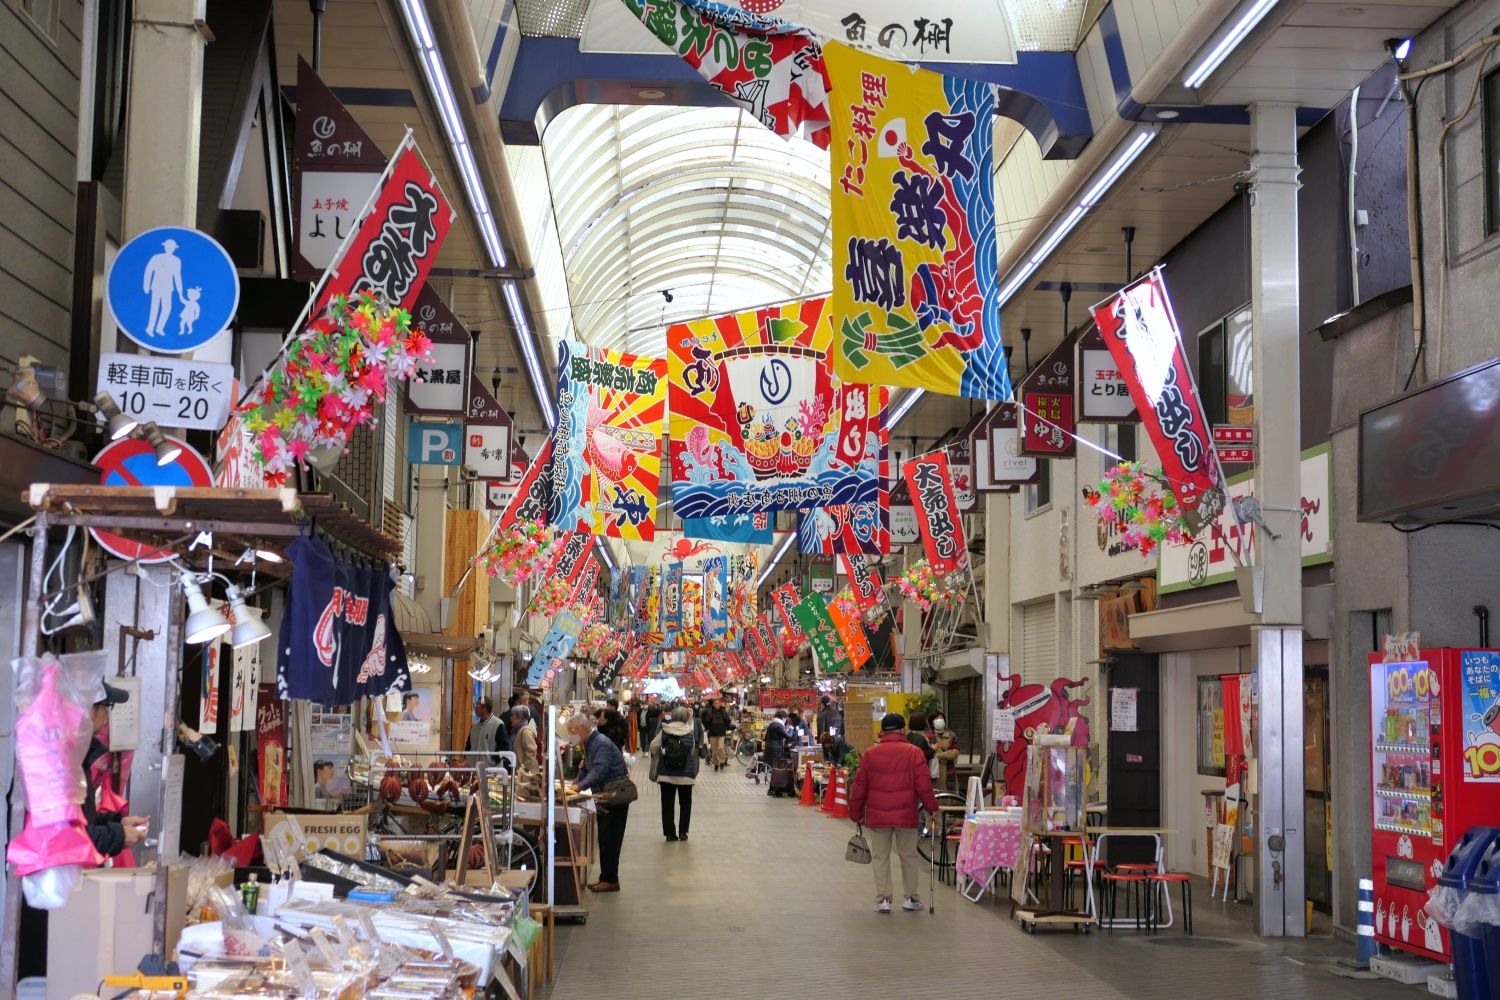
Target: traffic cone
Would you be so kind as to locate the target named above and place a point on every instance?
(809, 794)
(840, 800)
(828, 789)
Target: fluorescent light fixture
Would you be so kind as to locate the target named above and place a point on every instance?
(1403, 49)
(603, 547)
(419, 28)
(902, 408)
(1249, 17)
(528, 349)
(1095, 193)
(776, 558)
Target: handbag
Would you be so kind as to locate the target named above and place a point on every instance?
(619, 792)
(858, 848)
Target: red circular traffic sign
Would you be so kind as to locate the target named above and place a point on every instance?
(132, 462)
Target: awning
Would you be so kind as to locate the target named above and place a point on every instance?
(415, 626)
(1219, 624)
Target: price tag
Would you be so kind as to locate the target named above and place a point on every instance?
(173, 392)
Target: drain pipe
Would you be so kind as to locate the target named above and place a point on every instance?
(1352, 213)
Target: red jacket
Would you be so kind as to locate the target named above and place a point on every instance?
(893, 777)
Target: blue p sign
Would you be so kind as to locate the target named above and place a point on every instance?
(435, 444)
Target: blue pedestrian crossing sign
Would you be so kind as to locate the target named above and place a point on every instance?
(172, 289)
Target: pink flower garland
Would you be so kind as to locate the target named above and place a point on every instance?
(523, 552)
(1140, 504)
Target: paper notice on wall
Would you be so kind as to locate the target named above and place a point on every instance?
(1003, 725)
(125, 718)
(1122, 709)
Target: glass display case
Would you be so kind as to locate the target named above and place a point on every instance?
(1401, 721)
(1055, 783)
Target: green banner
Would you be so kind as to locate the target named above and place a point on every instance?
(812, 615)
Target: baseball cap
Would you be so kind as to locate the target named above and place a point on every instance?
(892, 721)
(108, 694)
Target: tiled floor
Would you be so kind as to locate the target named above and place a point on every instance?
(760, 902)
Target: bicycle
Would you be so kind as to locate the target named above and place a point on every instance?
(745, 747)
(952, 823)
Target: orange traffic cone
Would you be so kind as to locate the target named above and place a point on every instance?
(840, 798)
(808, 793)
(833, 781)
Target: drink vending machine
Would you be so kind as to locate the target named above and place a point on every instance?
(1435, 772)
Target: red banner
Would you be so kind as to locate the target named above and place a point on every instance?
(534, 496)
(786, 599)
(1047, 402)
(788, 698)
(1141, 331)
(937, 512)
(864, 579)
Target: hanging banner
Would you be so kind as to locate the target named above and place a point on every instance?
(904, 530)
(999, 466)
(786, 601)
(915, 273)
(671, 602)
(754, 529)
(551, 656)
(758, 421)
(1141, 331)
(766, 633)
(864, 579)
(442, 383)
(715, 599)
(851, 633)
(607, 461)
(769, 69)
(961, 466)
(208, 701)
(826, 530)
(937, 512)
(827, 644)
(533, 498)
(1103, 396)
(610, 670)
(246, 660)
(635, 599)
(488, 446)
(270, 747)
(335, 166)
(1047, 404)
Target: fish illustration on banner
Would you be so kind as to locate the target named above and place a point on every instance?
(772, 70)
(752, 528)
(915, 270)
(937, 512)
(827, 644)
(758, 420)
(1141, 331)
(551, 656)
(606, 462)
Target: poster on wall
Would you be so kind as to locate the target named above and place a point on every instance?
(1480, 673)
(915, 272)
(607, 457)
(270, 746)
(758, 421)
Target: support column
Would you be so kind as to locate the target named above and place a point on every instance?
(1276, 642)
(164, 114)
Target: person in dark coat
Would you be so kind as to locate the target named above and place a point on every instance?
(111, 832)
(602, 764)
(892, 781)
(653, 722)
(717, 723)
(835, 748)
(613, 725)
(918, 735)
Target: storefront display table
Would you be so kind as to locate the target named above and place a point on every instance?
(984, 849)
(1032, 911)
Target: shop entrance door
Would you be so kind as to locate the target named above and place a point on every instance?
(1318, 802)
(1134, 756)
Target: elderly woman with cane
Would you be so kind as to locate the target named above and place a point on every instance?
(892, 781)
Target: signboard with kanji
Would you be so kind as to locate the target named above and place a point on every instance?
(173, 392)
(442, 382)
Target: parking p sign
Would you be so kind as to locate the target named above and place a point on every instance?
(435, 444)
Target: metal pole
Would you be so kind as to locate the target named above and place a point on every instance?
(165, 853)
(318, 7)
(549, 836)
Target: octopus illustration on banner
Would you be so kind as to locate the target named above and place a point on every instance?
(606, 460)
(915, 271)
(760, 423)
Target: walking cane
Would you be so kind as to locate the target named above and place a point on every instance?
(932, 870)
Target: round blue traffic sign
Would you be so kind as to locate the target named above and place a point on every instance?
(172, 289)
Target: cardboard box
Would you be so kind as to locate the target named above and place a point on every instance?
(336, 832)
(104, 929)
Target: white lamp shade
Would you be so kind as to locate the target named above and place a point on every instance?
(204, 623)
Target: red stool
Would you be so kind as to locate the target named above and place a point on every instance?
(1137, 885)
(1163, 881)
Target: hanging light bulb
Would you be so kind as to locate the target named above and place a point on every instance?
(249, 628)
(166, 450)
(120, 425)
(205, 623)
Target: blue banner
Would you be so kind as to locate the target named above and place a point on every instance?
(552, 656)
(755, 528)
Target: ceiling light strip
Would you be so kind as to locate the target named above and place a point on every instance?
(1227, 43)
(776, 558)
(528, 349)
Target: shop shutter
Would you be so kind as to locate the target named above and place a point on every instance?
(1038, 643)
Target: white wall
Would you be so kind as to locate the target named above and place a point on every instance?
(1182, 785)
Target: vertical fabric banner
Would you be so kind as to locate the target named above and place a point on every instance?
(864, 579)
(766, 633)
(786, 600)
(715, 599)
(609, 671)
(270, 746)
(606, 464)
(1140, 329)
(812, 615)
(937, 512)
(533, 499)
(915, 270)
(552, 654)
(852, 633)
(671, 602)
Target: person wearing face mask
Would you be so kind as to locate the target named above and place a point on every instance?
(945, 754)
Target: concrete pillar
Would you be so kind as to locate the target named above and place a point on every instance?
(1276, 642)
(162, 119)
(430, 524)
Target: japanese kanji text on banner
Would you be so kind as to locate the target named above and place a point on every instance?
(915, 274)
(937, 512)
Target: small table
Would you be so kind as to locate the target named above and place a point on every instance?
(983, 850)
(1102, 833)
(1053, 911)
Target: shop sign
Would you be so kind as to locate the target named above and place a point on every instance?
(1233, 434)
(1207, 559)
(173, 392)
(1047, 404)
(1243, 455)
(1103, 396)
(999, 465)
(335, 167)
(172, 290)
(443, 384)
(488, 448)
(344, 833)
(270, 739)
(1480, 676)
(800, 698)
(435, 444)
(1141, 331)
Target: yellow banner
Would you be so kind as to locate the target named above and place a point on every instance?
(914, 262)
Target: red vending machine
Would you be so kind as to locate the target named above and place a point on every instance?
(1435, 740)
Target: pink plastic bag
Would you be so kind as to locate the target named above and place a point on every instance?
(109, 800)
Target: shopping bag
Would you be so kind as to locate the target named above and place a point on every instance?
(858, 848)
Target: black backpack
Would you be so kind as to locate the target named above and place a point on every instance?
(676, 751)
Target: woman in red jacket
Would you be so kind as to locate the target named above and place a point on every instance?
(893, 778)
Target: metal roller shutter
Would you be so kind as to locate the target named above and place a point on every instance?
(1039, 643)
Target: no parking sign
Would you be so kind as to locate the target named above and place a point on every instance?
(132, 462)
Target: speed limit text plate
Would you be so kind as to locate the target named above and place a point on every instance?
(173, 392)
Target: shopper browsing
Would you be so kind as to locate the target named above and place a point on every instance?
(892, 780)
(487, 736)
(945, 753)
(717, 723)
(524, 742)
(917, 736)
(602, 764)
(111, 832)
(674, 765)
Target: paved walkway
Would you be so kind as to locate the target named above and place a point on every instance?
(760, 902)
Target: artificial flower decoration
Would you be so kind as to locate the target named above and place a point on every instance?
(329, 382)
(551, 598)
(926, 589)
(521, 553)
(1140, 504)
